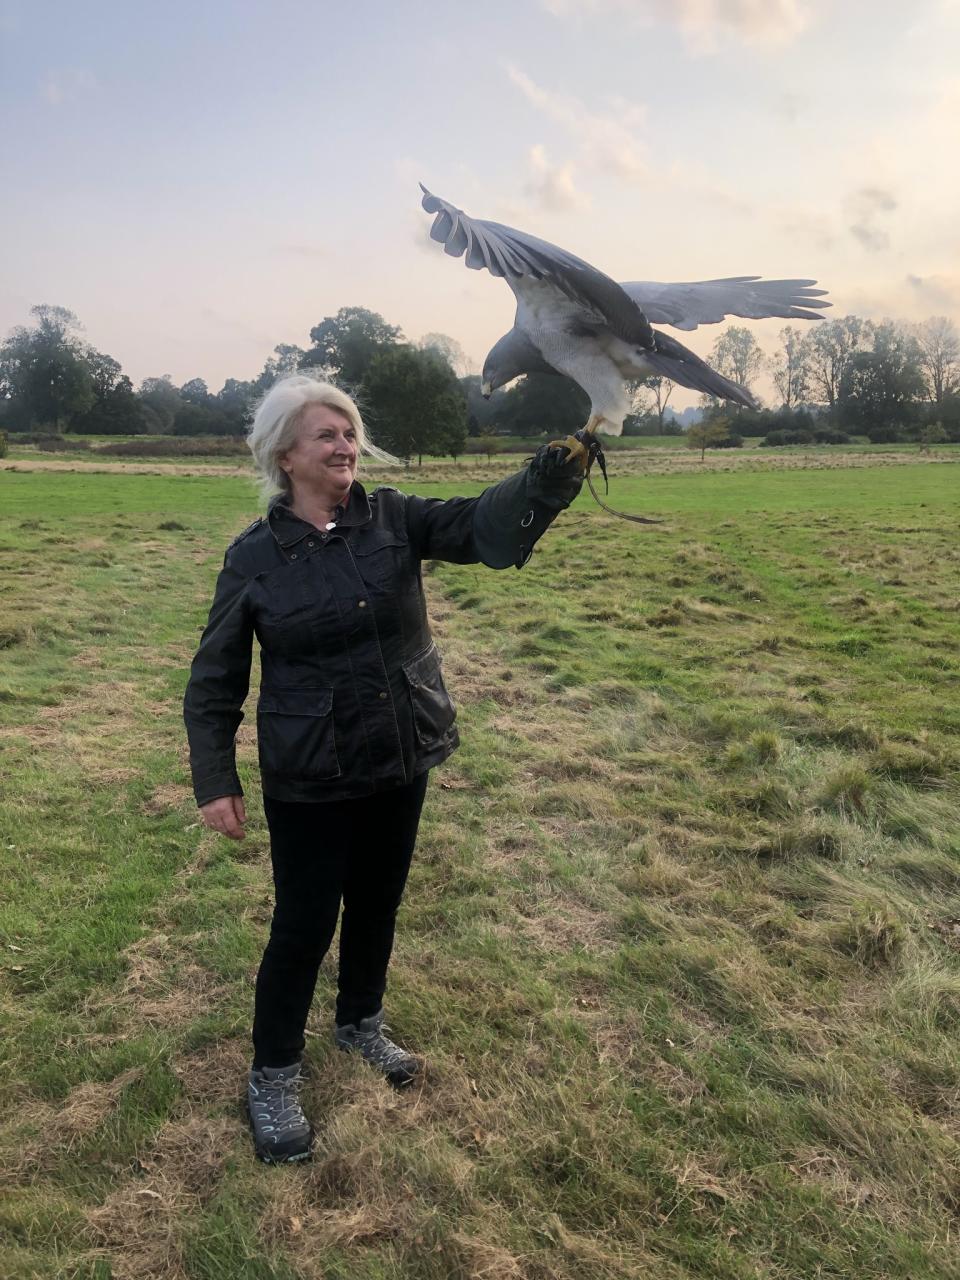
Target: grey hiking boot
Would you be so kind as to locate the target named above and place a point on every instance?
(281, 1132)
(366, 1036)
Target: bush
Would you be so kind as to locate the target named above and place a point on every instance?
(3, 444)
(825, 435)
(756, 423)
(61, 444)
(33, 437)
(731, 441)
(884, 435)
(177, 447)
(778, 439)
(934, 433)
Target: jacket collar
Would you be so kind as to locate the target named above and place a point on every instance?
(288, 528)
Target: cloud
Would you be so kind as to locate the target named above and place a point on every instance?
(553, 186)
(66, 85)
(606, 138)
(936, 291)
(876, 199)
(807, 225)
(872, 238)
(702, 22)
(867, 206)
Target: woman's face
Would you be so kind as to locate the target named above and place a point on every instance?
(324, 455)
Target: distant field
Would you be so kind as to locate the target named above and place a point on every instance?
(481, 469)
(617, 447)
(681, 943)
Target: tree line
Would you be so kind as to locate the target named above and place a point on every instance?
(886, 380)
(883, 379)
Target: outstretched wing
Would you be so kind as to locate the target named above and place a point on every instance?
(514, 255)
(696, 302)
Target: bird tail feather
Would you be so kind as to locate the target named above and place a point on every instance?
(673, 360)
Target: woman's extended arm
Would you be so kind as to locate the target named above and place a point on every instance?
(501, 526)
(218, 684)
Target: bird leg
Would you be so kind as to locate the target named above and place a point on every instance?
(584, 448)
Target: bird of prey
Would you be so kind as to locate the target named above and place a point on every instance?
(572, 319)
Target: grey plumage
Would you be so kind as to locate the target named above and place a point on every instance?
(575, 320)
(515, 255)
(696, 302)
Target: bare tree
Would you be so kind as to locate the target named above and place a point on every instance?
(832, 344)
(791, 367)
(650, 395)
(737, 355)
(450, 349)
(939, 345)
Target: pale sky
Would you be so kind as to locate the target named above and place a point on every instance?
(200, 181)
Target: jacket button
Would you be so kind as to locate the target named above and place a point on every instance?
(361, 604)
(311, 544)
(382, 694)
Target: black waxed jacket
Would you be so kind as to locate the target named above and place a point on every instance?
(352, 699)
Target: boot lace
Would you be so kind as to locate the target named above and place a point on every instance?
(278, 1104)
(381, 1051)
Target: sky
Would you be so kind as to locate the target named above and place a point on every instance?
(201, 181)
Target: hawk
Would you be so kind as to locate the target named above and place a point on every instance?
(574, 320)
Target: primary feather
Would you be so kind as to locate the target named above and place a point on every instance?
(696, 302)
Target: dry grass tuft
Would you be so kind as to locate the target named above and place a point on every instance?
(846, 789)
(485, 1260)
(140, 1226)
(168, 798)
(873, 933)
(162, 988)
(215, 1075)
(86, 1107)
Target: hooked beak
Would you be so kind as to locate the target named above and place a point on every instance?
(486, 390)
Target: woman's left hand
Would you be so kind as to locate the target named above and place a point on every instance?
(227, 815)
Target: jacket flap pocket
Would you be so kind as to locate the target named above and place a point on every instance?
(373, 540)
(297, 702)
(425, 668)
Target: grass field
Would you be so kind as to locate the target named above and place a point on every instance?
(681, 943)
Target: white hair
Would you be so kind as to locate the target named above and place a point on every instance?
(277, 421)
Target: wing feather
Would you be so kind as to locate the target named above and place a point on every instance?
(514, 254)
(689, 304)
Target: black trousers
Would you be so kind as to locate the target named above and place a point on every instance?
(357, 851)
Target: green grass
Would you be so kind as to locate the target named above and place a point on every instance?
(680, 942)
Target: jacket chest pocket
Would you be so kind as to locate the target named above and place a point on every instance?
(381, 557)
(295, 735)
(295, 605)
(433, 709)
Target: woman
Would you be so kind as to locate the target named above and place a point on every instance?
(352, 712)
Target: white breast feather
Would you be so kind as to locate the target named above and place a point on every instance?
(547, 316)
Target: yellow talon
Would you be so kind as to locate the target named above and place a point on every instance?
(574, 448)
